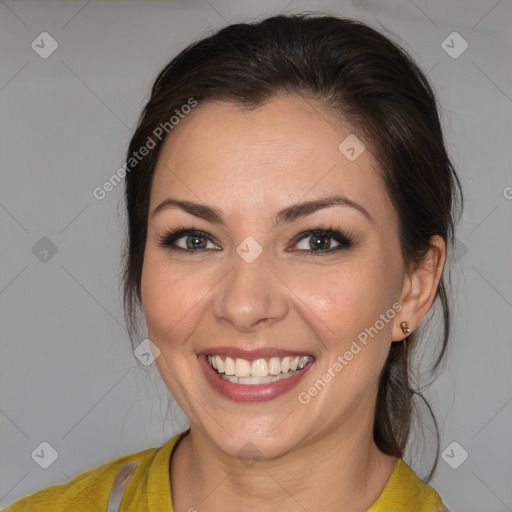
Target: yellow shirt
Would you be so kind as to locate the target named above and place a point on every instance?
(149, 489)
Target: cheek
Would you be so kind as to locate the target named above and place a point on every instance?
(350, 309)
(173, 298)
(349, 296)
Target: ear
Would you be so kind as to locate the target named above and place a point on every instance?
(420, 287)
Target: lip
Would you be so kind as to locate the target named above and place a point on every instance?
(251, 355)
(252, 392)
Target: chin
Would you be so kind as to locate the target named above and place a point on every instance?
(262, 438)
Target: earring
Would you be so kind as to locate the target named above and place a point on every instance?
(405, 366)
(405, 327)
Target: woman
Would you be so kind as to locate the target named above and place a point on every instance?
(290, 204)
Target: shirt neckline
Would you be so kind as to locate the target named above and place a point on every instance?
(160, 495)
(158, 480)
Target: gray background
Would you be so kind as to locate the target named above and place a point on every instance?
(68, 376)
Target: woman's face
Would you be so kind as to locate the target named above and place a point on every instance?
(255, 286)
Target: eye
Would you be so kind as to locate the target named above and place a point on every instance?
(319, 242)
(191, 240)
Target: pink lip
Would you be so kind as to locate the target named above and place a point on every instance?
(251, 355)
(251, 392)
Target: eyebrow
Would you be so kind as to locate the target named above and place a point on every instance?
(286, 215)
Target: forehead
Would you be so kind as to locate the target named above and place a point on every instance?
(271, 155)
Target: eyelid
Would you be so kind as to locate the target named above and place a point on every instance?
(169, 237)
(328, 232)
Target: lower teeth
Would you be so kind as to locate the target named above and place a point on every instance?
(257, 380)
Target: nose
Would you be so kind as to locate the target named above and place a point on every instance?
(250, 296)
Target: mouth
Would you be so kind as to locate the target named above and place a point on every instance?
(257, 371)
(254, 376)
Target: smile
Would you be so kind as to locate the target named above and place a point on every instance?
(254, 376)
(258, 371)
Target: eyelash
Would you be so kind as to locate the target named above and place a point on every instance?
(345, 241)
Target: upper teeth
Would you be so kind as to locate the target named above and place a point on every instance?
(258, 368)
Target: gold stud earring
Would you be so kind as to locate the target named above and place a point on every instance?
(405, 327)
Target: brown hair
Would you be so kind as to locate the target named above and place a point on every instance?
(369, 82)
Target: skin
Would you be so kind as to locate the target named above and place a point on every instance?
(249, 164)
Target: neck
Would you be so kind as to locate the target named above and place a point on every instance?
(341, 470)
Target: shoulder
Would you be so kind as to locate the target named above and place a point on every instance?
(404, 491)
(90, 490)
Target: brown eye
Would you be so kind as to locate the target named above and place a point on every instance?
(187, 240)
(320, 241)
(195, 242)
